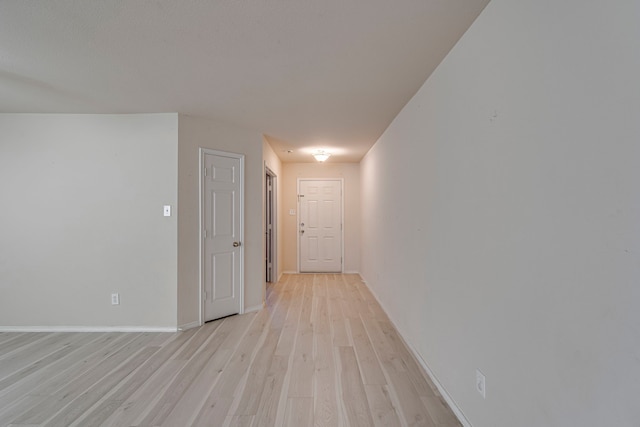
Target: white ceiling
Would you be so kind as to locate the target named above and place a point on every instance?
(326, 74)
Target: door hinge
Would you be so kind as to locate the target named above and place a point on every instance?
(205, 234)
(205, 171)
(205, 295)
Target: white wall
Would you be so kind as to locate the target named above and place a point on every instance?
(501, 216)
(194, 133)
(272, 161)
(350, 172)
(81, 218)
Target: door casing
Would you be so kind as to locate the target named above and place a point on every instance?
(274, 221)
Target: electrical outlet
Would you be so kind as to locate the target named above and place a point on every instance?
(167, 210)
(481, 385)
(115, 299)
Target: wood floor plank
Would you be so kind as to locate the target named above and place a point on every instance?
(337, 318)
(105, 349)
(307, 297)
(13, 410)
(417, 376)
(440, 412)
(240, 421)
(55, 366)
(223, 345)
(326, 411)
(193, 399)
(59, 399)
(6, 336)
(182, 380)
(410, 406)
(339, 333)
(299, 412)
(388, 356)
(141, 402)
(354, 397)
(271, 393)
(51, 378)
(383, 411)
(290, 327)
(202, 334)
(20, 342)
(217, 405)
(375, 309)
(20, 374)
(322, 352)
(108, 406)
(257, 376)
(86, 400)
(301, 380)
(27, 355)
(139, 392)
(321, 322)
(367, 360)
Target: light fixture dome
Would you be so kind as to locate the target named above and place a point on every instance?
(321, 155)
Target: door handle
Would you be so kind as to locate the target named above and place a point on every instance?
(236, 244)
(301, 231)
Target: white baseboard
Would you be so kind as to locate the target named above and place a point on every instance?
(452, 404)
(188, 326)
(254, 308)
(351, 272)
(87, 329)
(289, 272)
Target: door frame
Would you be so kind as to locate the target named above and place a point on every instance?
(341, 219)
(274, 221)
(201, 152)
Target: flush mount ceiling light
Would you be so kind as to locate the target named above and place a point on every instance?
(321, 155)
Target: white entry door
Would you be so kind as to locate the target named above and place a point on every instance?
(320, 226)
(222, 234)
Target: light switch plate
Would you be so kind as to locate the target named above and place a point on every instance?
(167, 210)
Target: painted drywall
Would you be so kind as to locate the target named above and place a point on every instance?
(272, 161)
(350, 172)
(500, 216)
(195, 132)
(82, 218)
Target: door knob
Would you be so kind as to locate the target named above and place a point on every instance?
(301, 231)
(236, 244)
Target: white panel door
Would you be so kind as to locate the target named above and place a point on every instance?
(320, 227)
(222, 250)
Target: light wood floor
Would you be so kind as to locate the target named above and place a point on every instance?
(323, 353)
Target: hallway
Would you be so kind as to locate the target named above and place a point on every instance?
(322, 353)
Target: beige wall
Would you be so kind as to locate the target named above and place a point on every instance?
(81, 218)
(500, 216)
(193, 134)
(83, 199)
(350, 172)
(272, 161)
